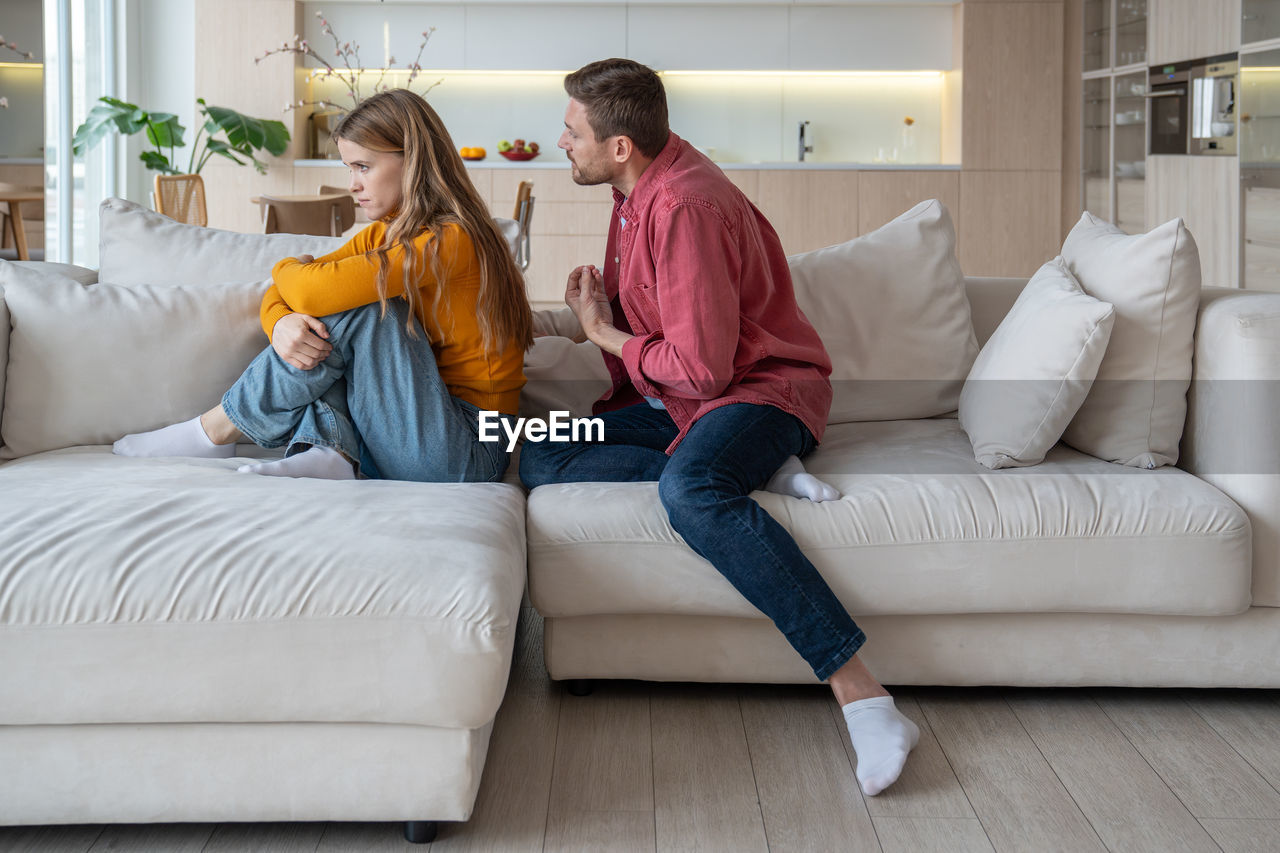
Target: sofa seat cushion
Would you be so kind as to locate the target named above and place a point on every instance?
(174, 590)
(921, 528)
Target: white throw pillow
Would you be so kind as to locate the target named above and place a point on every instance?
(89, 364)
(891, 309)
(140, 246)
(1135, 412)
(1035, 371)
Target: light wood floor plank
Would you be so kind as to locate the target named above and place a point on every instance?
(600, 832)
(704, 789)
(931, 835)
(1015, 793)
(1128, 804)
(72, 838)
(265, 838)
(153, 837)
(1250, 723)
(1210, 778)
(1245, 836)
(808, 794)
(604, 758)
(342, 837)
(511, 807)
(928, 787)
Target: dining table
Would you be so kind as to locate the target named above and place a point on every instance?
(361, 216)
(13, 222)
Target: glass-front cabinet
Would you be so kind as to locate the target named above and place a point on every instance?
(1259, 111)
(1259, 21)
(1096, 153)
(1114, 117)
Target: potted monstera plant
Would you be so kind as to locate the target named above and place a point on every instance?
(224, 132)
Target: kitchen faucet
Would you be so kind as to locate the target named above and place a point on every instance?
(804, 149)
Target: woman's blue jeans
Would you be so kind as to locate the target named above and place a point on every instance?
(377, 398)
(705, 486)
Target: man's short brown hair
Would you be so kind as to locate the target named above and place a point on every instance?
(622, 98)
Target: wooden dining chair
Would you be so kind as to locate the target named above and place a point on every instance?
(181, 197)
(326, 217)
(523, 215)
(325, 189)
(32, 215)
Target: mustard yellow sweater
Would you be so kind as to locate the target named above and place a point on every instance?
(346, 279)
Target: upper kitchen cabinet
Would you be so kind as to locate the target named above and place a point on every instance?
(1259, 21)
(1191, 29)
(707, 37)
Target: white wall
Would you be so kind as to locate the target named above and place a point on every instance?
(158, 68)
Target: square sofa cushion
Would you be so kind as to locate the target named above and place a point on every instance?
(890, 307)
(1135, 411)
(140, 246)
(1035, 370)
(89, 364)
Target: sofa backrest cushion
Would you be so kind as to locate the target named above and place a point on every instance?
(990, 299)
(140, 246)
(1032, 375)
(89, 364)
(1136, 409)
(891, 309)
(4, 350)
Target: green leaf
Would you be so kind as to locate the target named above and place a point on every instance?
(247, 134)
(106, 115)
(158, 162)
(164, 131)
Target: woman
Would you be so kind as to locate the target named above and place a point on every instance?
(365, 375)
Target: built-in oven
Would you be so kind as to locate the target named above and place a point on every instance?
(1169, 94)
(1214, 86)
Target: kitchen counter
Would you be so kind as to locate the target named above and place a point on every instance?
(499, 163)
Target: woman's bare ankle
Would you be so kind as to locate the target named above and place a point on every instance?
(219, 428)
(854, 681)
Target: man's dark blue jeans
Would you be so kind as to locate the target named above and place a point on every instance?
(705, 486)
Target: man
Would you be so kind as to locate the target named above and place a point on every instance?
(719, 381)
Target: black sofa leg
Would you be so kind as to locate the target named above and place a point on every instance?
(420, 831)
(580, 686)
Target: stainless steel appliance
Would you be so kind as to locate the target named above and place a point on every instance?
(1214, 86)
(1168, 91)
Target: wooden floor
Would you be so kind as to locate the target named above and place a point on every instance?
(743, 768)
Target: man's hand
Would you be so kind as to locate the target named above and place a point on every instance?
(300, 339)
(585, 295)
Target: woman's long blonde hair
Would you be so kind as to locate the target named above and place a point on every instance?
(436, 191)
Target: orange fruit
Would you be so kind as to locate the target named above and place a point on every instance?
(479, 152)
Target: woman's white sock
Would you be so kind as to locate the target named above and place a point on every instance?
(321, 463)
(882, 737)
(185, 439)
(792, 479)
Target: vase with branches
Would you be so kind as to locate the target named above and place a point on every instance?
(351, 70)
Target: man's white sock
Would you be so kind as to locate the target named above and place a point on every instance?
(792, 479)
(882, 737)
(321, 463)
(185, 439)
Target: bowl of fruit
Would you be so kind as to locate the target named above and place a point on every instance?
(518, 150)
(472, 153)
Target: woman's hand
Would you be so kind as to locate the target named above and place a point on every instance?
(300, 339)
(584, 293)
(304, 259)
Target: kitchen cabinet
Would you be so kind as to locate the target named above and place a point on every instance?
(1259, 21)
(1205, 192)
(1190, 29)
(1114, 114)
(1260, 169)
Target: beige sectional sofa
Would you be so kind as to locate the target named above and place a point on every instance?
(182, 643)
